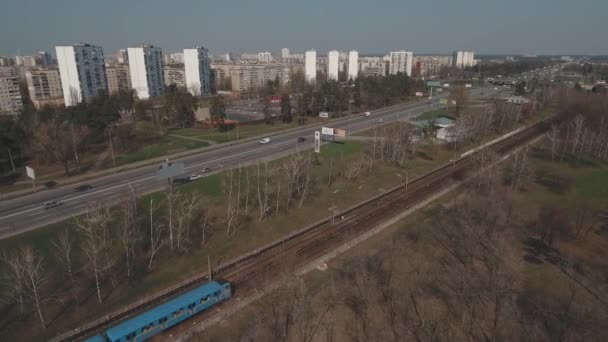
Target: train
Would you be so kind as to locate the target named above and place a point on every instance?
(168, 314)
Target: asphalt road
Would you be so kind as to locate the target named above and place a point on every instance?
(27, 213)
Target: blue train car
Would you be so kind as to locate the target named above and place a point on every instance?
(168, 314)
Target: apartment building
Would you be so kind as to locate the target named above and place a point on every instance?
(246, 77)
(333, 65)
(372, 66)
(431, 65)
(11, 101)
(401, 62)
(463, 59)
(310, 66)
(119, 78)
(82, 71)
(353, 65)
(264, 57)
(175, 74)
(44, 86)
(197, 72)
(146, 69)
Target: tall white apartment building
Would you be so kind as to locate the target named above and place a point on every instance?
(264, 57)
(310, 66)
(401, 62)
(285, 53)
(146, 68)
(82, 71)
(333, 64)
(353, 65)
(463, 59)
(196, 65)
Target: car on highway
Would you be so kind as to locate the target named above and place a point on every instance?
(195, 177)
(83, 187)
(51, 204)
(366, 114)
(301, 139)
(205, 170)
(380, 120)
(264, 141)
(180, 181)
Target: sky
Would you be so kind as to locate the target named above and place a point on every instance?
(369, 26)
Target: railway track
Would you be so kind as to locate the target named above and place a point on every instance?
(309, 243)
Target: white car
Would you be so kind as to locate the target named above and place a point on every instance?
(367, 114)
(195, 177)
(264, 141)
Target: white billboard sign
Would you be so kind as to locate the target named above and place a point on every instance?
(327, 130)
(317, 142)
(324, 115)
(30, 172)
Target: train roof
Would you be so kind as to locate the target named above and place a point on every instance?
(96, 338)
(161, 311)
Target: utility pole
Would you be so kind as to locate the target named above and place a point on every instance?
(209, 268)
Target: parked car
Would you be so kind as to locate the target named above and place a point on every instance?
(83, 187)
(264, 141)
(51, 204)
(301, 139)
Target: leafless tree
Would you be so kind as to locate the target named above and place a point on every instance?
(33, 270)
(186, 214)
(93, 228)
(129, 230)
(156, 241)
(171, 195)
(553, 136)
(63, 247)
(17, 276)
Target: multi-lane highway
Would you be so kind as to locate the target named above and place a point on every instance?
(27, 213)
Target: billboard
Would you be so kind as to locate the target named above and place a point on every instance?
(30, 172)
(340, 132)
(443, 101)
(435, 84)
(327, 131)
(324, 115)
(317, 142)
(419, 93)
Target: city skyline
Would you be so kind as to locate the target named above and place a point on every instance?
(516, 27)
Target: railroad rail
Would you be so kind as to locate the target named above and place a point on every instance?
(312, 241)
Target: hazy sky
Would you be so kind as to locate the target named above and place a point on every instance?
(370, 26)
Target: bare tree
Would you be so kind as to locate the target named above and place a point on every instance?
(63, 247)
(171, 196)
(185, 212)
(17, 276)
(34, 273)
(156, 241)
(130, 230)
(553, 137)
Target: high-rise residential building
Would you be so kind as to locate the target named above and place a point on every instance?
(146, 69)
(463, 59)
(264, 57)
(82, 71)
(310, 66)
(401, 62)
(175, 74)
(6, 61)
(43, 58)
(44, 86)
(26, 61)
(122, 56)
(119, 78)
(196, 64)
(333, 60)
(353, 65)
(297, 57)
(177, 58)
(10, 95)
(285, 53)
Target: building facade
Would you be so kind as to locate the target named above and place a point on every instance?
(310, 66)
(11, 101)
(333, 65)
(122, 56)
(175, 74)
(401, 62)
(285, 53)
(463, 59)
(198, 75)
(43, 58)
(119, 78)
(25, 61)
(82, 71)
(431, 65)
(264, 57)
(247, 77)
(372, 66)
(353, 65)
(146, 70)
(44, 86)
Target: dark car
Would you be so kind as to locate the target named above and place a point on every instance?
(205, 169)
(180, 181)
(301, 139)
(83, 187)
(51, 204)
